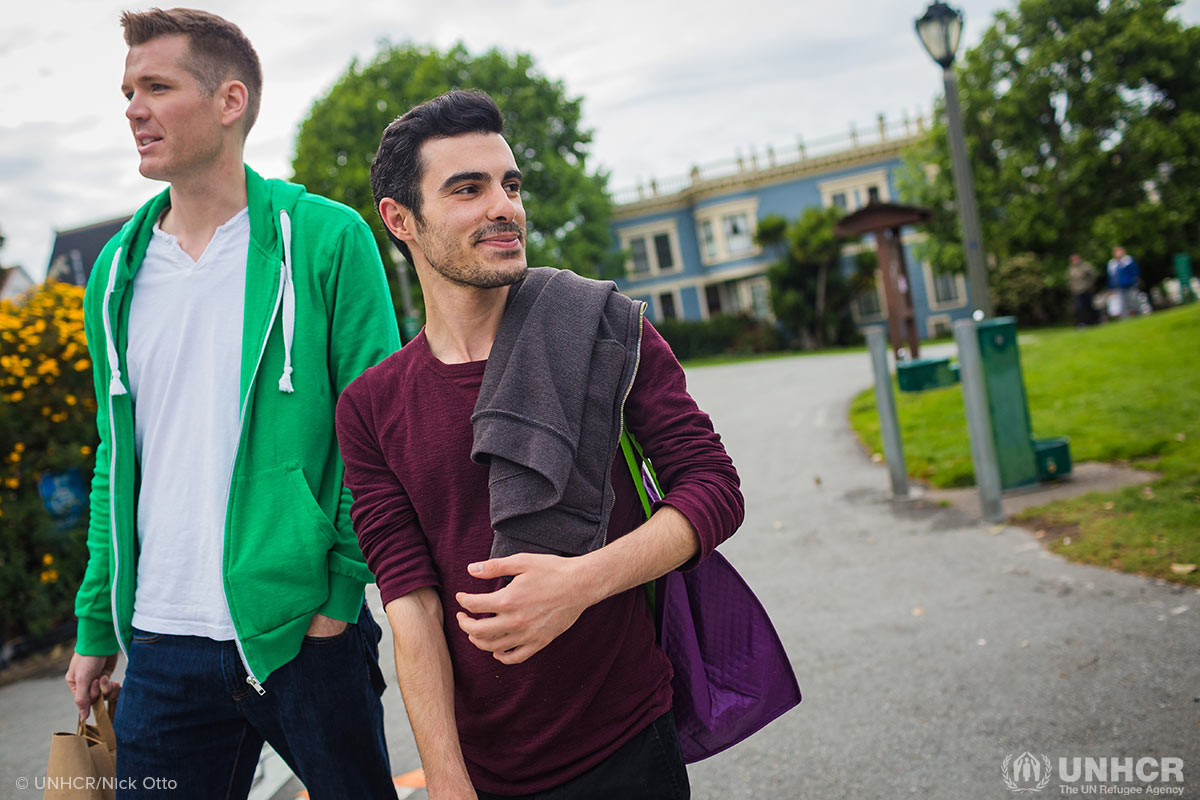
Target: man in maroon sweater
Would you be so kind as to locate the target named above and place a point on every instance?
(528, 673)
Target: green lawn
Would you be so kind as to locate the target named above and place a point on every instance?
(1126, 392)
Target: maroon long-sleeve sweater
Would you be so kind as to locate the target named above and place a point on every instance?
(421, 514)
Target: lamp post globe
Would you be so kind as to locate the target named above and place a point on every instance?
(939, 30)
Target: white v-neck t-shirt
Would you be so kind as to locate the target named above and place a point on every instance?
(184, 362)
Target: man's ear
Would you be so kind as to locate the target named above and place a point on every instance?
(234, 97)
(398, 219)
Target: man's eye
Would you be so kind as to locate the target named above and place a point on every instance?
(513, 188)
(465, 190)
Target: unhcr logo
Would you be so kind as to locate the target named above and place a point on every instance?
(1029, 773)
(1123, 776)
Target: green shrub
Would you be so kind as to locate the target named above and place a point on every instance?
(718, 335)
(1024, 288)
(47, 427)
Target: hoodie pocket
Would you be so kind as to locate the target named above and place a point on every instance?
(280, 540)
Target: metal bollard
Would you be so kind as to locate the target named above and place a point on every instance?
(885, 403)
(979, 425)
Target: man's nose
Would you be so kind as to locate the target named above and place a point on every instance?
(136, 109)
(503, 206)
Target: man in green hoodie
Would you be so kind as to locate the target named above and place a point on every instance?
(223, 322)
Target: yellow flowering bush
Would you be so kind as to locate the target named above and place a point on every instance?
(47, 428)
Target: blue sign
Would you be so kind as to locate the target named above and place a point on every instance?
(64, 496)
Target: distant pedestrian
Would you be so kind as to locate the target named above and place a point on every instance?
(1081, 276)
(1123, 276)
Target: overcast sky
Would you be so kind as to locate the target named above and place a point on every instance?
(666, 83)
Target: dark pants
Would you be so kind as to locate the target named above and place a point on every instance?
(647, 767)
(189, 726)
(1085, 311)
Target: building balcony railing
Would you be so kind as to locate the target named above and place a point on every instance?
(796, 153)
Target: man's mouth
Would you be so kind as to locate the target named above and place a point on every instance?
(144, 141)
(501, 236)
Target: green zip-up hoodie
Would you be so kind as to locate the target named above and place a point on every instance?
(317, 313)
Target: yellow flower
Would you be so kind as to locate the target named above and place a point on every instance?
(82, 364)
(12, 482)
(46, 411)
(47, 559)
(16, 396)
(19, 447)
(14, 457)
(49, 576)
(85, 450)
(70, 400)
(59, 417)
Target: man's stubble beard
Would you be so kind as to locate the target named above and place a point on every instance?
(471, 272)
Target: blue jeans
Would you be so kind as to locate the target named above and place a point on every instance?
(188, 725)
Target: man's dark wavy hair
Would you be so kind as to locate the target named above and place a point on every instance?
(396, 170)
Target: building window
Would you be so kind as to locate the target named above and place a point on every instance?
(726, 231)
(708, 240)
(738, 237)
(851, 192)
(641, 260)
(945, 289)
(712, 297)
(662, 251)
(760, 299)
(652, 248)
(722, 298)
(867, 303)
(666, 303)
(939, 326)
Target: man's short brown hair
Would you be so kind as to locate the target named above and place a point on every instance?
(217, 49)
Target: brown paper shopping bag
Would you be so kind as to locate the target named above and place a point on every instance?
(82, 765)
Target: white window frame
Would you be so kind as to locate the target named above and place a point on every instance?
(748, 287)
(933, 320)
(856, 189)
(859, 317)
(715, 215)
(647, 232)
(657, 304)
(960, 286)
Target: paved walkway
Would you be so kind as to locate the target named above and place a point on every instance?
(929, 647)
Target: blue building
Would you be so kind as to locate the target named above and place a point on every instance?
(690, 242)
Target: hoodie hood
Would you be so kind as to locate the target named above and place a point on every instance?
(271, 204)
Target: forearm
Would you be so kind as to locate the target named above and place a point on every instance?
(663, 543)
(426, 681)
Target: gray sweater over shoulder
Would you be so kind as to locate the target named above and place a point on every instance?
(549, 415)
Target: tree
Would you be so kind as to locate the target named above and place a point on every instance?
(567, 204)
(1083, 128)
(810, 292)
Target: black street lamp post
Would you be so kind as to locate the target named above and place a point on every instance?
(939, 30)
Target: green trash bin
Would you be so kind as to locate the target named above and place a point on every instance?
(1053, 457)
(1183, 271)
(921, 374)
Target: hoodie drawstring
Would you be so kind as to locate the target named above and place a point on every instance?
(289, 302)
(115, 385)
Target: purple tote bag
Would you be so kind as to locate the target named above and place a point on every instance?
(732, 675)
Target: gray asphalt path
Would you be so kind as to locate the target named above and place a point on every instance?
(929, 647)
